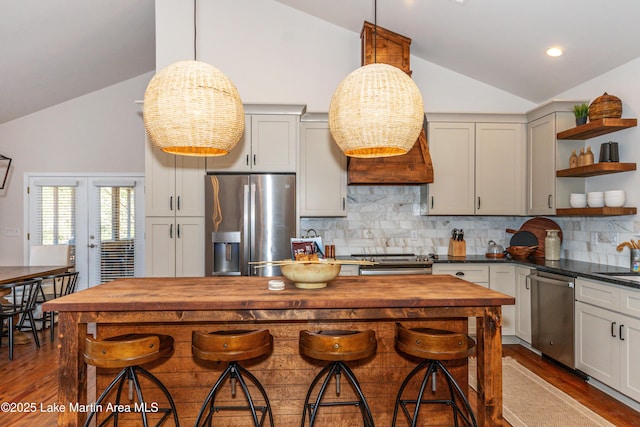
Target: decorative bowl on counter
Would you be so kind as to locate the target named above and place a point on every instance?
(310, 275)
(521, 252)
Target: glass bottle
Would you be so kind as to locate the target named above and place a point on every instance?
(588, 157)
(552, 245)
(581, 157)
(573, 160)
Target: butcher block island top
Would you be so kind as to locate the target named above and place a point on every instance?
(177, 306)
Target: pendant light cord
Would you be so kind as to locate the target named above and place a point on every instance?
(375, 31)
(195, 30)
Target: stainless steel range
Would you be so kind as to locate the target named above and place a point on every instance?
(387, 264)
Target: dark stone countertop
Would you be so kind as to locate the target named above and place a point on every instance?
(567, 267)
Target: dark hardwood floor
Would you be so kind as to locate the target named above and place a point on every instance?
(32, 378)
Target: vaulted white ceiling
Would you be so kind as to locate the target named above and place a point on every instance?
(55, 50)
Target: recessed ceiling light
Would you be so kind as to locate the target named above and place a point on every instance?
(554, 51)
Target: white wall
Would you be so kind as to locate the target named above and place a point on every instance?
(100, 132)
(276, 54)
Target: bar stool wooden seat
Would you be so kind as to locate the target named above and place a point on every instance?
(434, 346)
(232, 347)
(129, 352)
(336, 347)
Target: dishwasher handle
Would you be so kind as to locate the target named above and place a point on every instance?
(550, 281)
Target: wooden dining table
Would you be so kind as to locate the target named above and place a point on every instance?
(13, 274)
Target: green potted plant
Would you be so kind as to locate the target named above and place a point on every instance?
(581, 111)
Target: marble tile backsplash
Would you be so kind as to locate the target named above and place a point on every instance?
(386, 219)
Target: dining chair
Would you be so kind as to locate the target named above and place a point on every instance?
(63, 284)
(40, 255)
(49, 255)
(20, 302)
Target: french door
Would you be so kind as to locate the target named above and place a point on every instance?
(101, 217)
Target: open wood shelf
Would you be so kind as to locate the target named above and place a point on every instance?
(595, 211)
(596, 169)
(597, 128)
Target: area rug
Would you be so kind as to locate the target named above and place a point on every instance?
(530, 401)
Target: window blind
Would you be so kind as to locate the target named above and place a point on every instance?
(56, 216)
(116, 242)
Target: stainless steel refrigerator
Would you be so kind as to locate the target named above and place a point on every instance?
(248, 217)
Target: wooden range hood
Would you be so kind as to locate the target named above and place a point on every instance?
(415, 167)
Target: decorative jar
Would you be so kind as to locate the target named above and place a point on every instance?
(552, 245)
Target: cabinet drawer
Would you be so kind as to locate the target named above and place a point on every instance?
(349, 270)
(630, 302)
(468, 272)
(601, 295)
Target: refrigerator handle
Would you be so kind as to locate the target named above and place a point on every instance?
(245, 233)
(253, 221)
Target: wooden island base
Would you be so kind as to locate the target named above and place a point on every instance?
(177, 306)
(286, 376)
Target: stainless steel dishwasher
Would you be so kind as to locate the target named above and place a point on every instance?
(552, 316)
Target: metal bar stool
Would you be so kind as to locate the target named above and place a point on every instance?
(337, 347)
(233, 346)
(129, 352)
(434, 346)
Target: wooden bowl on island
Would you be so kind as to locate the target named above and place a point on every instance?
(310, 275)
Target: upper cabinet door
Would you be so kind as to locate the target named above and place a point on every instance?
(500, 165)
(238, 158)
(452, 148)
(189, 198)
(323, 173)
(269, 144)
(160, 182)
(541, 167)
(274, 142)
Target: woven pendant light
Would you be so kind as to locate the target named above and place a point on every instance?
(191, 108)
(376, 111)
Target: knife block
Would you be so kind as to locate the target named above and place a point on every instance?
(457, 248)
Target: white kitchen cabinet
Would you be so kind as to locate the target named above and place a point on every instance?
(452, 147)
(502, 278)
(545, 155)
(523, 304)
(323, 170)
(174, 185)
(174, 225)
(608, 339)
(471, 272)
(174, 246)
(269, 142)
(541, 167)
(478, 168)
(500, 181)
(349, 270)
(597, 346)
